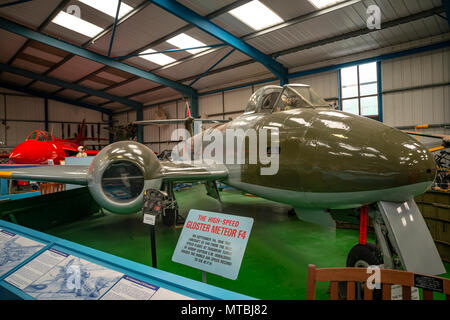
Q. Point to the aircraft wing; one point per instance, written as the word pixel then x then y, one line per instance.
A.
pixel 169 171
pixel 61 174
pixel 172 121
pixel 182 172
pixel 445 138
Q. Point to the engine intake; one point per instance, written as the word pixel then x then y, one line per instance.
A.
pixel 120 173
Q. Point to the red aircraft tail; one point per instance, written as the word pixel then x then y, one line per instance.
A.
pixel 80 136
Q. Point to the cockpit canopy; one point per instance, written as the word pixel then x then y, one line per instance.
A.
pixel 39 135
pixel 291 96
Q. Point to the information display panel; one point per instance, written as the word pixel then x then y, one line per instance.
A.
pixel 15 249
pixel 213 242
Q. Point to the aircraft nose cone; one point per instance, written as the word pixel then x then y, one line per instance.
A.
pixel 18 155
pixel 341 152
pixel 415 162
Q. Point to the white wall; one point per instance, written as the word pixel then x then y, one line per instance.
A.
pixel 420 106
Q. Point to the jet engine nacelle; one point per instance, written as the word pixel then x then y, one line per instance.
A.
pixel 120 173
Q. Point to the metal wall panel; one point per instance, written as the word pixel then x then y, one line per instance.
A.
pixel 167 130
pixel 423 105
pixel 18 131
pixel 59 111
pixel 120 119
pixel 237 99
pixel 151 133
pixel 24 108
pixel 210 104
pixel 325 84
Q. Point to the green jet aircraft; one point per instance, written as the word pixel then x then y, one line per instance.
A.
pixel 322 160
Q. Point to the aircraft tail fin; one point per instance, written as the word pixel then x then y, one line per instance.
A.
pixel 80 136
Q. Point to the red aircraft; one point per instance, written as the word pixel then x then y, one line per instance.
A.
pixel 41 147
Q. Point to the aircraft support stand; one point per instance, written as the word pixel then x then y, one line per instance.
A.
pixel 394 239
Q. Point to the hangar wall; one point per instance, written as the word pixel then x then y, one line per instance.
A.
pixel 21 114
pixel 416 90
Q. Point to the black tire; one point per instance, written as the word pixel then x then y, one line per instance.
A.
pixel 362 256
pixel 169 217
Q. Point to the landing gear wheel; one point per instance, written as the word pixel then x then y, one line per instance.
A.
pixel 169 217
pixel 362 256
pixel 291 213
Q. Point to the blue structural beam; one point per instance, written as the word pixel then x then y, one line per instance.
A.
pixel 3 187
pixel 23 31
pixel 12 3
pixel 383 57
pixel 212 67
pixel 204 24
pixel 111 41
pixel 46 113
pixel 380 92
pixel 446 4
pixel 169 51
pixel 69 85
pixel 46 95
pixel 140 129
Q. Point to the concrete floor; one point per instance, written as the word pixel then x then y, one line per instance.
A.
pixel 276 259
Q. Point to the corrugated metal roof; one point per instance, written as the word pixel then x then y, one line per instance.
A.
pixel 31 13
pixel 75 69
pixel 133 87
pixel 10 43
pixel 143 28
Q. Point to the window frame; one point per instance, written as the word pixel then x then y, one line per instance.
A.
pixel 359 97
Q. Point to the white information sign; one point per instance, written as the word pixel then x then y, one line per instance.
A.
pixel 149 219
pixel 213 242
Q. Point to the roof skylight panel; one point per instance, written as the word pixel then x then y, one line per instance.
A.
pixel 108 6
pixel 319 4
pixel 256 15
pixel 158 58
pixel 184 41
pixel 76 24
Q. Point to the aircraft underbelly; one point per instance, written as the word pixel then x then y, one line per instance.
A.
pixel 330 200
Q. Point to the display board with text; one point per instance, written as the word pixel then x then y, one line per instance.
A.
pixel 213 242
pixel 37 266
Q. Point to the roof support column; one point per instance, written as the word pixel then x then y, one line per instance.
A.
pixel 46 113
pixel 193 101
pixel 446 4
pixel 140 129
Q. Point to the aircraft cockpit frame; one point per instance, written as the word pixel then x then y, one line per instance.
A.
pixel 40 135
pixel 272 98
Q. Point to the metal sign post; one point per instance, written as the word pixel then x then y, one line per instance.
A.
pixel 204 276
pixel 150 220
pixel 153 206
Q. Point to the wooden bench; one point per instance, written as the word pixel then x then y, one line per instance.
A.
pixel 388 278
